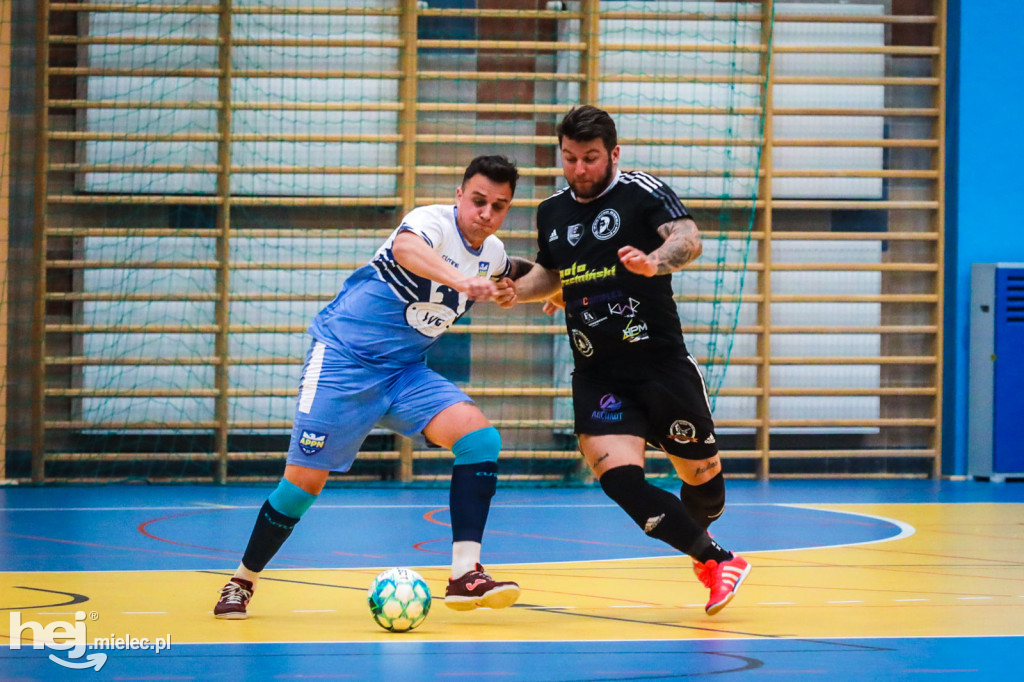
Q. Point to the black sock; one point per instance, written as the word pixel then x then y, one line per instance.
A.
pixel 705 502
pixel 472 487
pixel 271 530
pixel 658 512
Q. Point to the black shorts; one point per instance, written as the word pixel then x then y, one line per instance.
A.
pixel 669 408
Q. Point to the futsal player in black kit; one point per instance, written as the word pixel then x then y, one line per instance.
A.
pixel 609 243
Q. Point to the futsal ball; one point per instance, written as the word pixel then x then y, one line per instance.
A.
pixel 399 599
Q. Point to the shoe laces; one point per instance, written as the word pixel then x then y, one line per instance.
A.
pixel 233 593
pixel 707 572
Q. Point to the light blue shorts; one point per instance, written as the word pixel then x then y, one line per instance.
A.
pixel 341 401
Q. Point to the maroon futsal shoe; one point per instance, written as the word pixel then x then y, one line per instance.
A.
pixel 477 589
pixel 234 597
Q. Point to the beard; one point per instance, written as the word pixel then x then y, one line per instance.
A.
pixel 596 187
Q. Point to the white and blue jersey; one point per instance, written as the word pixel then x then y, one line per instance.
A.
pixel 366 366
pixel 388 316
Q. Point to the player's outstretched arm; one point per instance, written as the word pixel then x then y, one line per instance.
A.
pixel 537 284
pixel 682 245
pixel 414 254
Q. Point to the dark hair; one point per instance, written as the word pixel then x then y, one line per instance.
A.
pixel 587 123
pixel 495 168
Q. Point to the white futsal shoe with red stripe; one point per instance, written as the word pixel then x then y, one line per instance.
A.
pixel 724 579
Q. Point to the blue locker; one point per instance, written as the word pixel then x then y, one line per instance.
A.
pixel 996 402
pixel 1008 429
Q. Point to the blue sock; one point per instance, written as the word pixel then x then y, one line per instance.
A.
pixel 474 481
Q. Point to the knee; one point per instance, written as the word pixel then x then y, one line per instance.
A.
pixel 705 502
pixel 482 445
pixel 623 483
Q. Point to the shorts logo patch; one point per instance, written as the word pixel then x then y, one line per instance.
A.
pixel 582 343
pixel 611 409
pixel 682 432
pixel 312 443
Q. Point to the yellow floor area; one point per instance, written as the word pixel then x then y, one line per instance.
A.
pixel 961 572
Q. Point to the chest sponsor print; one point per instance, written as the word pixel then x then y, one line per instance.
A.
pixel 590 319
pixel 430 319
pixel 606 224
pixel 582 343
pixel 624 309
pixel 635 330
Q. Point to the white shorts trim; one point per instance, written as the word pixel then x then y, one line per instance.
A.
pixel 311 377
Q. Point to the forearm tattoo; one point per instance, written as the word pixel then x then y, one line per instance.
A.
pixel 682 245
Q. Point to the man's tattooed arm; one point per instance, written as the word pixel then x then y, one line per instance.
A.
pixel 682 245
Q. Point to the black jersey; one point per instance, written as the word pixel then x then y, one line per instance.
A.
pixel 612 314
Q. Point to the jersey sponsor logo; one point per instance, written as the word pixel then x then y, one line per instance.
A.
pixel 448 259
pixel 582 343
pixel 430 319
pixel 590 319
pixel 312 442
pixel 610 409
pixel 606 224
pixel 577 273
pixel 595 299
pixel 574 233
pixel 624 309
pixel 682 431
pixel 635 330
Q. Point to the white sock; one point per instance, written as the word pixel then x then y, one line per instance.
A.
pixel 465 557
pixel 245 574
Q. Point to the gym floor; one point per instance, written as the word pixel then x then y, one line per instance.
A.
pixel 916 580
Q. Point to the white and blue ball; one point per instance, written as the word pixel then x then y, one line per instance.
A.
pixel 399 599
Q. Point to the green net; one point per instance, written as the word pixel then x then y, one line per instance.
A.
pixel 217 169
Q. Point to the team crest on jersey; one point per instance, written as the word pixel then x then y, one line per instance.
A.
pixel 573 233
pixel 430 319
pixel 606 224
pixel 582 343
pixel 482 268
pixel 312 443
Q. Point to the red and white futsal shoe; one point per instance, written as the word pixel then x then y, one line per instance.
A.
pixel 725 579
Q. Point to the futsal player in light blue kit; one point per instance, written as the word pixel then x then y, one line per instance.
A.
pixel 366 367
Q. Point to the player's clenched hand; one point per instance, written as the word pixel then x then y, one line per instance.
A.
pixel 637 262
pixel 478 288
pixel 554 304
pixel 506 296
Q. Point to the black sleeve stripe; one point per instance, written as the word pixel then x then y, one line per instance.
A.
pixel 405 228
pixel 394 274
